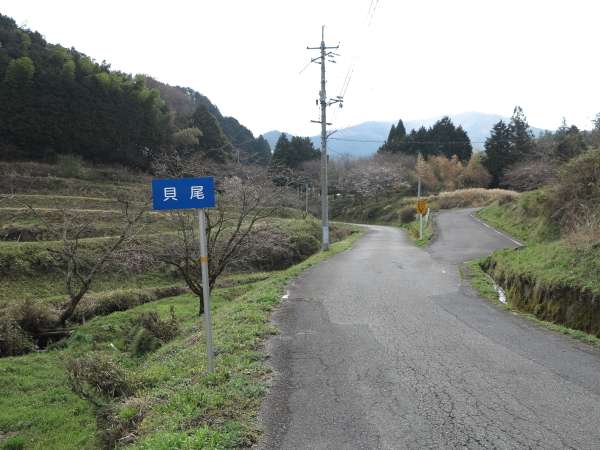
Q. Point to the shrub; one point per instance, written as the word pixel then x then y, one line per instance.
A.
pixel 114 423
pixel 577 192
pixel 69 166
pixel 149 332
pixel 98 379
pixel 33 317
pixel 529 175
pixel 13 340
pixel 407 214
pixel 165 330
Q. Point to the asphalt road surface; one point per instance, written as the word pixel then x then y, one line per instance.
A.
pixel 384 347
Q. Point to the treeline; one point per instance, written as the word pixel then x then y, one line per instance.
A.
pixel 443 138
pixel 518 160
pixel 513 158
pixel 57 101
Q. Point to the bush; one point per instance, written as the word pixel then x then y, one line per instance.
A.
pixel 33 317
pixel 529 175
pixel 98 379
pixel 69 166
pixel 407 214
pixel 115 423
pixel 13 340
pixel 149 332
pixel 577 192
pixel 165 330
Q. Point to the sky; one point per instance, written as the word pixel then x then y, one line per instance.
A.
pixel 410 59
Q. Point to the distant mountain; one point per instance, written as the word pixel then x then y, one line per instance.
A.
pixel 364 139
pixel 272 136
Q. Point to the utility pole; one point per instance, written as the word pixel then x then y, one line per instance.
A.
pixel 324 104
pixel 420 214
pixel 306 199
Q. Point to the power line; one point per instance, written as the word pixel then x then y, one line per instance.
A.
pixel 381 141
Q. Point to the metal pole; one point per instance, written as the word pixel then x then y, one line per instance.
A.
pixel 306 199
pixel 205 288
pixel 323 101
pixel 420 215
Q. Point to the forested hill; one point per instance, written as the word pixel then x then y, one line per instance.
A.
pixel 56 101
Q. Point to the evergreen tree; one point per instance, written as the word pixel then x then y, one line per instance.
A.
pixel 499 154
pixel 260 152
pixel 292 153
pixel 521 137
pixel 281 154
pixel 570 142
pixel 396 140
pixel 443 138
pixel 212 143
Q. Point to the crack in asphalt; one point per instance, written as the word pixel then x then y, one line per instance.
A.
pixel 383 347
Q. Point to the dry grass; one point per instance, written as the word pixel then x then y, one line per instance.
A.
pixel 473 197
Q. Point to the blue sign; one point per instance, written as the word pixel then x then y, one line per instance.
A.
pixel 183 193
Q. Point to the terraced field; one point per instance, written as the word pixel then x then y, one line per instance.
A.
pixel 39 408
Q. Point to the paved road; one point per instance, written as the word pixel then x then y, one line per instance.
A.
pixel 383 347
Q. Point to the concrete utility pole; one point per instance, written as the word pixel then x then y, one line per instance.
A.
pixel 420 214
pixel 324 104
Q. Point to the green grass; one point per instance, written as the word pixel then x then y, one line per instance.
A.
pixel 480 280
pixel 525 218
pixel 550 277
pixel 412 229
pixel 551 264
pixel 482 283
pixel 184 407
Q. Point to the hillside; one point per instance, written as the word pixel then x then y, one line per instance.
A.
pixel 556 275
pixel 477 125
pixel 56 101
pixel 158 377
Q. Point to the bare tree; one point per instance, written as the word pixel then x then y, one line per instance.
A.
pixel 245 197
pixel 371 178
pixel 71 258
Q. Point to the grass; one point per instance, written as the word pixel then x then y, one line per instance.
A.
pixel 550 278
pixel 183 407
pixel 523 218
pixel 483 284
pixel 412 230
pixel 551 264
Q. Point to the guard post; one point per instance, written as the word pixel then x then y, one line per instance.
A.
pixel 192 193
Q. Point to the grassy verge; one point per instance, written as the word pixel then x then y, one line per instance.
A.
pixel 412 229
pixel 523 218
pixel 482 283
pixel 181 407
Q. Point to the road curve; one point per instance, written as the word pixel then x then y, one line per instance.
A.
pixel 384 347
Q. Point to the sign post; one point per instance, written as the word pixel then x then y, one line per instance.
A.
pixel 192 193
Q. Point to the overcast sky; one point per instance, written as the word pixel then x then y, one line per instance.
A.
pixel 412 59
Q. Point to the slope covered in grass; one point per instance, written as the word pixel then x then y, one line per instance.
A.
pixel 173 402
pixel 552 277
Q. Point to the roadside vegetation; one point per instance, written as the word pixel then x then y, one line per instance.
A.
pixel 137 378
pixel 127 367
pixel 556 276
